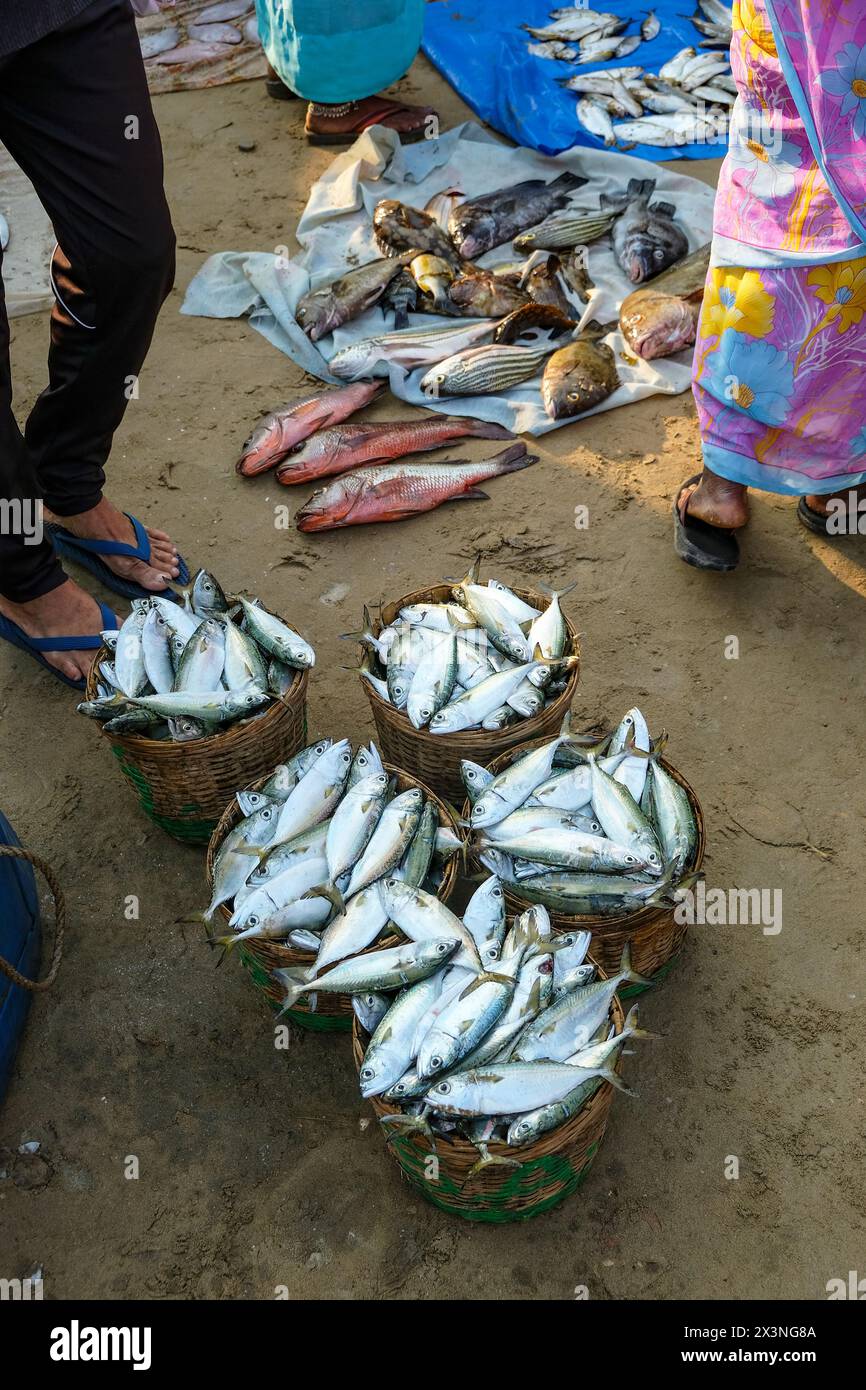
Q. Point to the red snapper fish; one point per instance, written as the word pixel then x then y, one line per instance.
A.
pixel 338 450
pixel 392 492
pixel 278 433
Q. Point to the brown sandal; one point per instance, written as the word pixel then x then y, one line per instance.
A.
pixel 383 110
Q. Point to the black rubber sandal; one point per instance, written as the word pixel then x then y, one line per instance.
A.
pixel 277 89
pixel 815 521
pixel 699 544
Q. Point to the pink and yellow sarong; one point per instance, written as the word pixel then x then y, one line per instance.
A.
pixel 780 360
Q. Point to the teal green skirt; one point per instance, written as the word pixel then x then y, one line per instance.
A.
pixel 332 51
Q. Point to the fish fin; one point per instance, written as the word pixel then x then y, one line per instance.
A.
pixel 488 1160
pixel 632 749
pixel 641 188
pixel 658 744
pixel 472 494
pixel 331 892
pixel 625 968
pixel 484 978
pixel 486 429
pixel 557 593
pixel 665 209
pixel 255 851
pixel 570 180
pixel 634 1030
pixel 292 986
pixel 608 1074
pixel 227 942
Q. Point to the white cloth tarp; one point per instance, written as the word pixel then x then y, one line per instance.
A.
pixel 335 232
pixel 26 278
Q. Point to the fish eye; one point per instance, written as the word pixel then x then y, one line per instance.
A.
pixel 630 859
pixel 398 1089
pixel 347 758
pixel 443 1088
pixel 253 921
pixel 493 953
pixel 442 948
pixel 658 254
pixel 367 1073
pixel 436 1063
pixel 497 893
pixel 266 813
pixel 319 748
pixel 653 858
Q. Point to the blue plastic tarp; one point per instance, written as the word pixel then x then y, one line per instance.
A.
pixel 480 47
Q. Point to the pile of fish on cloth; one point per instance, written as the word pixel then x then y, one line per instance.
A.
pixel 481 661
pixel 586 831
pixel 505 1037
pixel 623 228
pixel 186 670
pixel 305 862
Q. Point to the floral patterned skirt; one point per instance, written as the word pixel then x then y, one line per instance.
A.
pixel 780 376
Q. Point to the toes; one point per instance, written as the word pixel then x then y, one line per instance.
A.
pixel 69 668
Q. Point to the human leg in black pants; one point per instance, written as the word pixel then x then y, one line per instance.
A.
pixel 76 115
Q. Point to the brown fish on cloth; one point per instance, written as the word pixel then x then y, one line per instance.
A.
pixel 580 375
pixel 329 306
pixel 663 317
pixel 646 240
pixel 395 491
pixel 483 295
pixel 576 274
pixel 530 316
pixel 281 431
pixel 542 281
pixel 337 450
pixel 398 228
pixel 481 223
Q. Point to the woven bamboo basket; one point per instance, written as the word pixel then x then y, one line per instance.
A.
pixel 333 1012
pixel 553 1167
pixel 184 787
pixel 653 934
pixel 437 757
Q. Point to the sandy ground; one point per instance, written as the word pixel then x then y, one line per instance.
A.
pixel 255 1169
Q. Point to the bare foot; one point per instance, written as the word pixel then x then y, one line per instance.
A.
pixel 66 611
pixel 818 501
pixel 717 502
pixel 105 523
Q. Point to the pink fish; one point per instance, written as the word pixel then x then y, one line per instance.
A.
pixel 282 430
pixel 338 450
pixel 399 490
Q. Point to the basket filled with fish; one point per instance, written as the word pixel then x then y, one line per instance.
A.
pixel 295 867
pixel 604 832
pixel 492 1070
pixel 467 671
pixel 197 698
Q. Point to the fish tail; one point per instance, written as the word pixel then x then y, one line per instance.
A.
pixel 633 1029
pixel 608 1074
pixel 488 1160
pixel 641 188
pixel 255 851
pixel 625 970
pixel 513 459
pixel 227 943
pixel 485 429
pixel 292 985
pixel 331 892
pixel 570 180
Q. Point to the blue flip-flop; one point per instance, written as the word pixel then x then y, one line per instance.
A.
pixel 35 646
pixel 87 552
